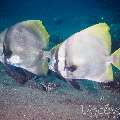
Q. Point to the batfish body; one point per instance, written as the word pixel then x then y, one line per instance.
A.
pixel 21 48
pixel 86 55
pixel 24 44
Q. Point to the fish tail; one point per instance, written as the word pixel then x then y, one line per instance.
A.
pixel 116 58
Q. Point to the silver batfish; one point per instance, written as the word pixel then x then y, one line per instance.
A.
pixel 22 49
pixel 86 55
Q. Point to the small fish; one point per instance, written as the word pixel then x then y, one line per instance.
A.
pixel 86 55
pixel 22 50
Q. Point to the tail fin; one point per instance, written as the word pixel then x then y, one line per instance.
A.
pixel 116 58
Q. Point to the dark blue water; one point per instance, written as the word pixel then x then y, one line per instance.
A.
pixel 74 14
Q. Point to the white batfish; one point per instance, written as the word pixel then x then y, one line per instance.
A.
pixel 86 55
pixel 22 46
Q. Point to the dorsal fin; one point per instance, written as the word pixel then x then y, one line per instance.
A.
pixel 38 25
pixel 101 32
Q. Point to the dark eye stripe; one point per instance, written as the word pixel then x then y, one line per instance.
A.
pixel 6 45
pixel 7 52
pixel 56 58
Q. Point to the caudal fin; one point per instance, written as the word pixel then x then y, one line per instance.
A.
pixel 116 58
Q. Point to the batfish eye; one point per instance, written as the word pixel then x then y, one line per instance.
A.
pixel 72 68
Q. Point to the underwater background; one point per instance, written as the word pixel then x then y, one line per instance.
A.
pixel 61 18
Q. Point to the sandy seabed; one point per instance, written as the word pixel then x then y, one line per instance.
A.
pixel 27 102
pixel 23 103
